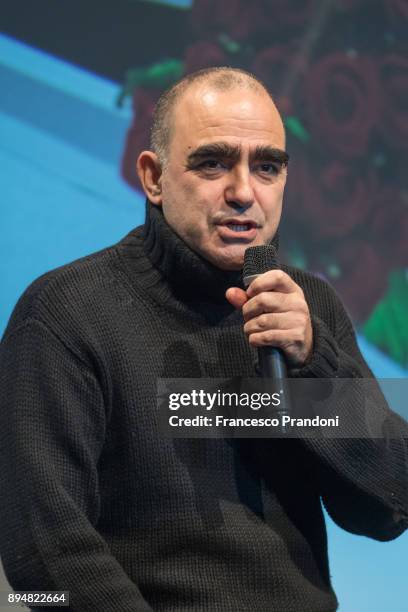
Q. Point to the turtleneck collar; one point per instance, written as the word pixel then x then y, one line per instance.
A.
pixel 189 274
pixel 177 271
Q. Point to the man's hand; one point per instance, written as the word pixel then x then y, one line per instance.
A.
pixel 276 314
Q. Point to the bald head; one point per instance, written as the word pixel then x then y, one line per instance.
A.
pixel 218 166
pixel 218 79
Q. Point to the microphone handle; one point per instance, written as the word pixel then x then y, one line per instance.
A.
pixel 272 365
pixel 272 362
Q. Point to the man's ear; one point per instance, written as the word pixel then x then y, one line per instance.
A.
pixel 149 171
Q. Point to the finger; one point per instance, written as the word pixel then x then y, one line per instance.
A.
pixel 279 338
pixel 272 301
pixel 291 342
pixel 273 321
pixel 236 296
pixel 273 280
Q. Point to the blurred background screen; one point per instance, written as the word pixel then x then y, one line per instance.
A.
pixel 78 83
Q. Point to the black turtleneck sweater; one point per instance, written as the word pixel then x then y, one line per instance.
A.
pixel 97 502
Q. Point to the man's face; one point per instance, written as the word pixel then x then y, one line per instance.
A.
pixel 223 185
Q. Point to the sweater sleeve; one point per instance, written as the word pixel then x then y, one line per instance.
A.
pixel 363 481
pixel 52 428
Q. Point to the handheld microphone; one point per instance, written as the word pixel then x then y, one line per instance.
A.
pixel 272 363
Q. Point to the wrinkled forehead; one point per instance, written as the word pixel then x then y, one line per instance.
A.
pixel 243 115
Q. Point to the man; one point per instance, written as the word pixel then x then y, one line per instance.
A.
pixel 98 501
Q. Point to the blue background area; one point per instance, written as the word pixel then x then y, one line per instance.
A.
pixel 61 139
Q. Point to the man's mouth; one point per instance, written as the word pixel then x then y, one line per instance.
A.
pixel 242 227
pixel 230 229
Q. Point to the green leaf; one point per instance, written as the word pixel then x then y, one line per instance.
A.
pixel 158 76
pixel 387 327
pixel 295 127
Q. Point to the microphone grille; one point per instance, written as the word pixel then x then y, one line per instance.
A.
pixel 260 259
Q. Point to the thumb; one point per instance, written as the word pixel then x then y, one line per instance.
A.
pixel 236 296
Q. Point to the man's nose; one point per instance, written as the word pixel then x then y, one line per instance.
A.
pixel 239 191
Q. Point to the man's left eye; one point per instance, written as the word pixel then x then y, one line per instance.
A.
pixel 269 168
pixel 211 164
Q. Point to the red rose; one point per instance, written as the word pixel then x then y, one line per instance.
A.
pixel 272 66
pixel 363 276
pixel 138 135
pixel 342 99
pixel 394 113
pixel 203 54
pixel 331 201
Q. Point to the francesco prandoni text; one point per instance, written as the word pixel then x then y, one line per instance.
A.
pixel 254 401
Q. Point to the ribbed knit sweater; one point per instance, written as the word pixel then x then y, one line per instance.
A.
pixel 97 502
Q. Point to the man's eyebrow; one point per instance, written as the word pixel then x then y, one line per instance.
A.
pixel 218 150
pixel 223 150
pixel 267 153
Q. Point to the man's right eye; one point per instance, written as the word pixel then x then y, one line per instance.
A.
pixel 211 164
